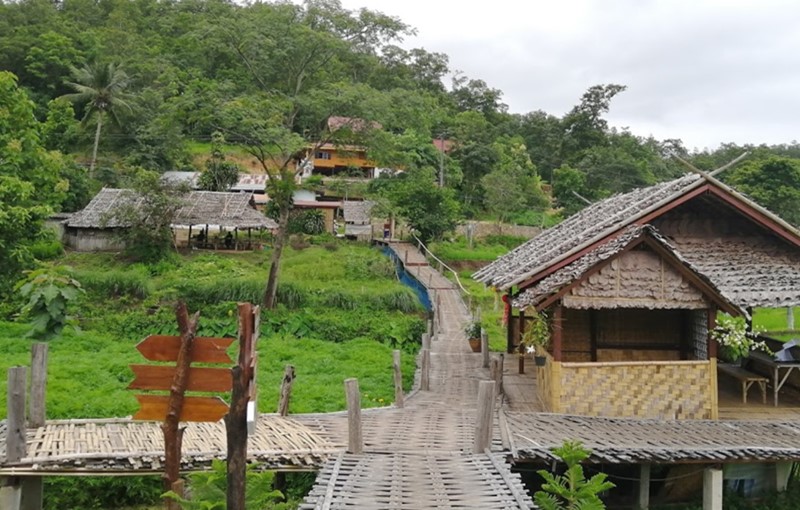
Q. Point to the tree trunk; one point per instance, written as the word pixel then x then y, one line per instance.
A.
pixel 275 263
pixel 96 143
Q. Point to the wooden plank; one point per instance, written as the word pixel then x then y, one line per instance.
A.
pixel 154 408
pixel 159 377
pixel 204 349
pixel 15 407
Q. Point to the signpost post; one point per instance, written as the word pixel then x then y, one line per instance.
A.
pixel 177 379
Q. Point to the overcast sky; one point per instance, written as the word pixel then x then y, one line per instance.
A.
pixel 704 71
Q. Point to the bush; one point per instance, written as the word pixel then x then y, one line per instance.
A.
pixel 96 492
pixel 47 249
pixel 117 283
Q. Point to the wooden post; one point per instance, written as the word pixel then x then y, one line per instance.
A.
pixel 11 490
pixel 485 348
pixel 498 379
pixel 712 489
pixel 426 341
pixel 790 317
pixel 38 384
pixel 424 380
pixel 644 487
pixel 398 379
pixel 286 390
pixel 33 486
pixel 557 320
pixel 355 439
pixel 783 470
pixel 477 312
pixel 520 348
pixel 712 323
pixel 430 327
pixel 236 419
pixel 173 435
pixel 484 417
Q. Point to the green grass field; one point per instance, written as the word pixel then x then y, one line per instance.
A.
pixel 347 314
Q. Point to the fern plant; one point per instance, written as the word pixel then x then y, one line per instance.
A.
pixel 571 491
pixel 208 490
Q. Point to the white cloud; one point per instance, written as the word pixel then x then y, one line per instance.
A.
pixel 705 71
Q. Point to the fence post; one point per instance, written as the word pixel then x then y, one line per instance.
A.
pixel 33 486
pixel 11 489
pixel 355 439
pixel 398 379
pixel 485 348
pixel 484 417
pixel 286 390
pixel 424 381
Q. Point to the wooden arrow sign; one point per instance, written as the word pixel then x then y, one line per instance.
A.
pixel 159 377
pixel 154 407
pixel 204 349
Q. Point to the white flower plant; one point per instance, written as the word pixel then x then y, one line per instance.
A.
pixel 731 334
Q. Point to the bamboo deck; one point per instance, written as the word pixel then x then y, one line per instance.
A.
pixel 420 456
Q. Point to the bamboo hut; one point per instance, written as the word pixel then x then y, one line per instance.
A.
pixel 631 286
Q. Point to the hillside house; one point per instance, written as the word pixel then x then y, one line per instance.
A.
pixel 94 228
pixel 631 287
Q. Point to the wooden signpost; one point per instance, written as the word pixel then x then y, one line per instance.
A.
pixel 177 379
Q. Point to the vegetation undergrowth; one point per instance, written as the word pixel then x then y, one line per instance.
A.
pixel 340 314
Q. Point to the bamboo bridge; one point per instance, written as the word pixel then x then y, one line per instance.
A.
pixel 420 455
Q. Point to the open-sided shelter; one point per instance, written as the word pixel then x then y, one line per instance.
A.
pixel 93 228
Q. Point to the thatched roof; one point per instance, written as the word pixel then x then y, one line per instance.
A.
pixel 626 441
pixel 231 210
pixel 768 275
pixel 357 211
pixel 560 280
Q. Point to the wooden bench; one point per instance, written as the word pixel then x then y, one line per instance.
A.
pixel 747 379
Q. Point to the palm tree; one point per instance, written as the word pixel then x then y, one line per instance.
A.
pixel 101 88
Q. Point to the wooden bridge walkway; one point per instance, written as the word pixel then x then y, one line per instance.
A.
pixel 418 456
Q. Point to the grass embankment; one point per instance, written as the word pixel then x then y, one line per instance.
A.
pixel 341 314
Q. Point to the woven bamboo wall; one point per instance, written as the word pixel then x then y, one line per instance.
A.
pixel 548 378
pixel 664 390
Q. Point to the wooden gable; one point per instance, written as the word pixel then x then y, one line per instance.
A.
pixel 636 279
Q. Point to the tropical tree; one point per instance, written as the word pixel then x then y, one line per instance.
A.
pixel 31 182
pixel 101 89
pixel 219 174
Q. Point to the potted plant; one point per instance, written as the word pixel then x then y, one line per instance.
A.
pixel 734 340
pixel 536 338
pixel 473 332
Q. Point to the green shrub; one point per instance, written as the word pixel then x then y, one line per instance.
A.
pixel 47 249
pixel 96 492
pixel 202 292
pixel 506 240
pixel 290 295
pixel 135 283
pixel 48 291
